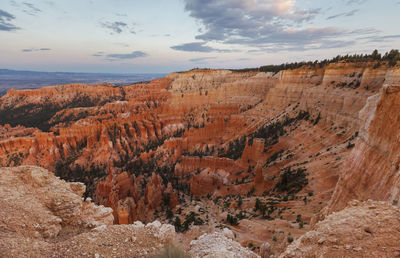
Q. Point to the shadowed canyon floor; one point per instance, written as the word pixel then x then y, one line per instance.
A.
pixel 267 155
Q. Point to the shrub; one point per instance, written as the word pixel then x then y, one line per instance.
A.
pixel 240 201
pixel 316 121
pixel 169 214
pixel 257 205
pixel 178 224
pixel 251 192
pixel 292 181
pixel 274 157
pixel 393 56
pixel 271 132
pixel 350 145
pixel 377 65
pixel 235 149
pixel 166 199
pixel 171 251
pixel 232 220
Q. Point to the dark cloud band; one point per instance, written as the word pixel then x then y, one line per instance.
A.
pixel 345 14
pixel 199 47
pixel 117 27
pixel 36 49
pixel 113 57
pixel 5 19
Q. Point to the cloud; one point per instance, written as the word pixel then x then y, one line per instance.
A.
pixel 243 59
pixel 355 1
pixel 379 39
pixel 117 27
pixel 199 47
pixel 13 3
pixel 324 44
pixel 133 55
pixel 245 18
pixel 114 57
pixel 269 24
pixel 36 49
pixel 160 35
pixel 201 59
pixel 305 39
pixel 5 19
pixel 30 9
pixel 98 54
pixel 345 14
pixel 121 44
pixel 50 3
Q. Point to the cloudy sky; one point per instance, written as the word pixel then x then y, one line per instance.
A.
pixel 136 36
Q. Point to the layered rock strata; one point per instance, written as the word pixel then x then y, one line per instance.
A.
pixel 141 149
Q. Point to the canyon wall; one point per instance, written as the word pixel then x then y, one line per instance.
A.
pixel 372 168
pixel 145 148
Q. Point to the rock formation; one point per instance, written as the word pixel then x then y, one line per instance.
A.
pixel 364 229
pixel 218 245
pixel 37 204
pixel 43 216
pixel 373 167
pixel 242 149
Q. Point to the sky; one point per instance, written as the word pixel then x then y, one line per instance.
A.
pixel 161 36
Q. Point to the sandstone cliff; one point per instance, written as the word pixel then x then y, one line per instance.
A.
pixel 303 141
pixel 372 169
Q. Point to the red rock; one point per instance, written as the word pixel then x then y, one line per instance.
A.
pixel 215 107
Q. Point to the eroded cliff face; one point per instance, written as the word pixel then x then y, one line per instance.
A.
pixel 373 166
pixel 292 139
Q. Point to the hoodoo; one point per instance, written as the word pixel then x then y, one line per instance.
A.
pixel 267 154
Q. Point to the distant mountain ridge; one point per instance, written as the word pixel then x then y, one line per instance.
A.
pixel 11 71
pixel 18 79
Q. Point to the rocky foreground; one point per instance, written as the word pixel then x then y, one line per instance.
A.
pixel 43 216
pixel 363 229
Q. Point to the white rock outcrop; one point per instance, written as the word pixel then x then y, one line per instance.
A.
pixel 36 203
pixel 363 229
pixel 217 245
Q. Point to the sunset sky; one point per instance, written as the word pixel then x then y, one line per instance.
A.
pixel 136 36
